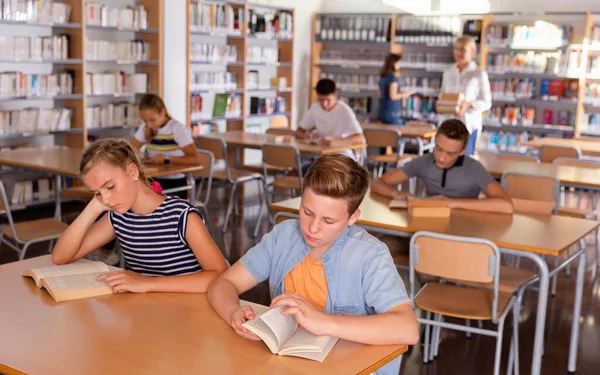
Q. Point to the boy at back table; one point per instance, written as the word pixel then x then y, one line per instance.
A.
pixel 334 277
pixel 449 173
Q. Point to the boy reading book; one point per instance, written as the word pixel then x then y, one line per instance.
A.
pixel 335 278
pixel 449 173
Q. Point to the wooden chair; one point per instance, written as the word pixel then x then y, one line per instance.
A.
pixel 232 177
pixel 547 153
pixel 459 258
pixel 19 236
pixel 281 131
pixel 286 157
pixel 205 175
pixel 280 122
pixel 384 138
pixel 518 157
pixel 422 145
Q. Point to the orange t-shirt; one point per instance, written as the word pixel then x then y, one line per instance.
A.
pixel 308 280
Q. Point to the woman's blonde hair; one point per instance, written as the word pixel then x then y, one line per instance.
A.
pixel 115 152
pixel 154 103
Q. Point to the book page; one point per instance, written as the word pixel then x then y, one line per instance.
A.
pixel 283 326
pixel 71 282
pixel 260 329
pixel 80 267
pixel 258 309
pixel 315 356
pixel 398 203
pixel 304 340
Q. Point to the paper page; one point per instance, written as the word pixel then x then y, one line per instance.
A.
pixel 82 266
pixel 315 356
pixel 258 309
pixel 398 203
pixel 260 329
pixel 283 326
pixel 304 340
pixel 86 281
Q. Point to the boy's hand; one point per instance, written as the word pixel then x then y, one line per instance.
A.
pixel 326 140
pixel 239 316
pixel 126 281
pixel 311 319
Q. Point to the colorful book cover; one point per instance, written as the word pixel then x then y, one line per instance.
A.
pixel 548 116
pixel 557 88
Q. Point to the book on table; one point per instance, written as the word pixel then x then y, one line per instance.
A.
pixel 283 336
pixel 434 206
pixel 72 281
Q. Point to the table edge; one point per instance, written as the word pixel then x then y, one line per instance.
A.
pixel 384 361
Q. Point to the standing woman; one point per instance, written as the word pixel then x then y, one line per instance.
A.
pixel 389 91
pixel 468 78
pixel 167 141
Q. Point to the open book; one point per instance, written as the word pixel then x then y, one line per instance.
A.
pixel 283 336
pixel 72 281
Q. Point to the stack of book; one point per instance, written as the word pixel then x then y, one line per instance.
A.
pixel 213 53
pixel 512 88
pixel 352 28
pixel 35 48
pixel 116 83
pixel 270 24
pixel 262 55
pixel 434 30
pixel 131 51
pixel 107 115
pixel 213 81
pixel 17 84
pixel 32 120
pixel 130 18
pixel 523 62
pixel 42 11
pixel 267 106
pixel 353 82
pixel 510 115
pixel 541 35
pixel 352 58
pixel 426 60
pixel 449 103
pixel 218 19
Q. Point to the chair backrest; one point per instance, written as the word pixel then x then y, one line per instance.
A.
pixel 283 216
pixel 382 137
pixel 280 122
pixel 458 258
pixel 576 163
pixel 207 160
pixel 216 146
pixel 282 156
pixel 421 124
pixel 517 157
pixel 281 131
pixel 532 193
pixel 549 153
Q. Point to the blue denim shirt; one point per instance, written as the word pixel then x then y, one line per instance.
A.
pixel 361 276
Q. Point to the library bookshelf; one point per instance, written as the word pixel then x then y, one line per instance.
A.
pixel 232 54
pixel 81 31
pixel 432 44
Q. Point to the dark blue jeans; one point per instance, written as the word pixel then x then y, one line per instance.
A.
pixel 471 142
pixel 390 118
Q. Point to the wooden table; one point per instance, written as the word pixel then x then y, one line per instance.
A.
pixel 240 139
pixel 408 131
pixel 587 146
pixel 585 178
pixel 64 161
pixel 155 333
pixel 525 235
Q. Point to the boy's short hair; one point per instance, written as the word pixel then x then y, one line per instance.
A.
pixel 326 86
pixel 454 129
pixel 338 176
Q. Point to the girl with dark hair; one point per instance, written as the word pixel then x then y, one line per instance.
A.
pixel 389 91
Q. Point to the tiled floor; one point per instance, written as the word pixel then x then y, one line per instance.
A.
pixel 457 355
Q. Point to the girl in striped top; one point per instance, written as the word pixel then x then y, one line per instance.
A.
pixel 167 141
pixel 164 241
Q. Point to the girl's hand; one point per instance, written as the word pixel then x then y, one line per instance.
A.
pixel 97 206
pixel 126 281
pixel 156 159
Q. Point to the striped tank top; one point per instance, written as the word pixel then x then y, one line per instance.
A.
pixel 155 244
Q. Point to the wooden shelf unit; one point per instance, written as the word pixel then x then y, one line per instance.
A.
pixel 78 31
pixel 579 38
pixel 283 69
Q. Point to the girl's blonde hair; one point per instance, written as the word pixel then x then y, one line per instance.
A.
pixel 154 103
pixel 115 152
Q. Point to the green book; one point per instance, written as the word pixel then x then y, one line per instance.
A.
pixel 221 103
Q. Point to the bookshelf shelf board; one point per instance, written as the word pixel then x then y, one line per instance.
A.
pixel 39 134
pixel 258 115
pixel 56 97
pixel 269 37
pixel 112 28
pixel 423 69
pixel 116 96
pixel 358 92
pixel 110 128
pixel 591 133
pixel 278 64
pixel 58 61
pixel 371 43
pixel 350 66
pixel 288 89
pixel 265 6
pixel 217 34
pixel 535 128
pixel 123 62
pixel 66 25
pixel 559 102
pixel 69 131
pixel 492 73
pixel 525 47
pixel 425 44
pixel 217 91
pixel 223 118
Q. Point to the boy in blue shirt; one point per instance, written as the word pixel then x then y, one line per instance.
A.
pixel 334 277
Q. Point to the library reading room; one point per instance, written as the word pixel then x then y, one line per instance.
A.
pixel 299 187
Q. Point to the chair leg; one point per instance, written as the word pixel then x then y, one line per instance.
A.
pixel 438 337
pixel 568 271
pixel 498 347
pixel 24 250
pixel 597 263
pixel 236 206
pixel 50 246
pixel 554 279
pixel 516 314
pixel 426 343
pixel 229 207
pixel 260 207
pixel 468 324
pixel 434 336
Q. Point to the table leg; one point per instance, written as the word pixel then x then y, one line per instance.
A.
pixel 577 311
pixel 57 190
pixel 192 182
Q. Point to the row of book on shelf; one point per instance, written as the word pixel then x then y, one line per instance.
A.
pixel 112 114
pixel 34 120
pixel 353 58
pixel 504 141
pixel 115 83
pixel 427 60
pixel 225 19
pixel 131 17
pixel 352 28
pixel 18 84
pixel 351 81
pixel 223 53
pixel 213 81
pixel 541 34
pixel 131 51
pixel 29 191
pixel 525 88
pixel 229 105
pixel 34 48
pixel 438 30
pixel 42 11
pixel 522 115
